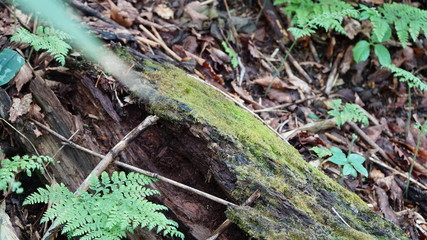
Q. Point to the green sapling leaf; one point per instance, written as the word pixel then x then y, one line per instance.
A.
pixel 361 51
pixel 321 152
pixel 349 170
pixel 338 157
pixel 383 54
pixel 361 169
pixel 356 159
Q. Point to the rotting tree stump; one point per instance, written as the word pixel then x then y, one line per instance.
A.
pixel 205 141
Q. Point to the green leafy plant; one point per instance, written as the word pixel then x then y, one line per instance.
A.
pixel 231 53
pixel 10 168
pixel 111 207
pixel 352 163
pixel 407 20
pixel 45 38
pixel 346 112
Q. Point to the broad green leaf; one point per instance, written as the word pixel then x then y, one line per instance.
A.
pixel 360 168
pixel 383 54
pixel 338 157
pixel 10 64
pixel 321 152
pixel 361 51
pixel 356 159
pixel 349 170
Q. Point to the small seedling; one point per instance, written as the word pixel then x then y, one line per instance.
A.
pixel 346 112
pixel 352 163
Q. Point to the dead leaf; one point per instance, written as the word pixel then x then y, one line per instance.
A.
pixel 124 13
pixel 20 106
pixel 376 174
pixel 347 60
pixel 218 55
pixel 194 9
pixel 24 75
pixel 299 83
pixel 37 132
pixel 190 44
pixel 35 112
pixel 280 96
pixel 253 50
pixel 164 11
pixel 352 27
pixel 275 82
pixel 246 96
pixel 374 132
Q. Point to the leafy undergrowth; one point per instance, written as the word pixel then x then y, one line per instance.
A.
pixel 248 62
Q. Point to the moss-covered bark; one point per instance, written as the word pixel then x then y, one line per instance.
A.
pixel 297 200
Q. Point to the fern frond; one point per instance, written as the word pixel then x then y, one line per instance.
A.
pixel 308 15
pixel 112 206
pixel 346 112
pixel 28 164
pixel 408 77
pixel 407 20
pixel 47 39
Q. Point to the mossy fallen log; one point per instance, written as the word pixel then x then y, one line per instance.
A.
pixel 242 155
pixel 208 142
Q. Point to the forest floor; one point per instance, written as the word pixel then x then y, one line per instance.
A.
pixel 239 48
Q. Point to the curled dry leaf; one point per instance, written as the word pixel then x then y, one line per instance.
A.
pixel 20 106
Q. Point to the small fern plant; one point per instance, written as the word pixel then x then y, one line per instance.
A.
pixel 111 207
pixel 346 112
pixel 307 16
pixel 10 168
pixel 45 38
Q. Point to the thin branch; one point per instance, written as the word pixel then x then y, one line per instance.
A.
pixel 180 185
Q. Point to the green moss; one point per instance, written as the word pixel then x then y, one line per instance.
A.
pixel 268 161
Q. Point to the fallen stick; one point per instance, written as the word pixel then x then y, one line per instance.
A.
pixel 177 184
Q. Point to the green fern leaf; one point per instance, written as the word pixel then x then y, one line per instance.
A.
pixel 113 206
pixel 408 77
pixel 28 164
pixel 45 39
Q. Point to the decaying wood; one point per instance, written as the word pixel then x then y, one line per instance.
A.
pixel 204 141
